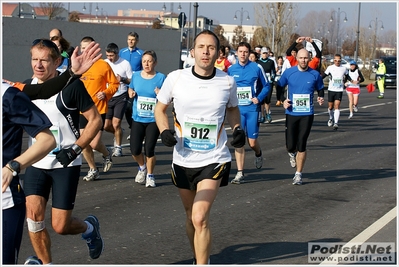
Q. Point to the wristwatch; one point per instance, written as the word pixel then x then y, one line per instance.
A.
pixel 14 167
pixel 73 75
pixel 77 149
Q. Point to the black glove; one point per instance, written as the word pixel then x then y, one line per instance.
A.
pixel 238 138
pixel 168 138
pixel 65 156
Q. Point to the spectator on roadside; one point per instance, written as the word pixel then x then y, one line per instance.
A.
pixel 380 77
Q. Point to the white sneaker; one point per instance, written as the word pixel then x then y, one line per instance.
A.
pixel 297 180
pixel 292 159
pixel 117 152
pixel 335 127
pixel 355 108
pixel 330 123
pixel 239 179
pixel 350 115
pixel 107 161
pixel 150 181
pixel 140 177
pixel 92 175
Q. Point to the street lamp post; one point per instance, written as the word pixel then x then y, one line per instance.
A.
pixel 338 20
pixel 242 12
pixel 357 35
pixel 375 33
pixel 273 36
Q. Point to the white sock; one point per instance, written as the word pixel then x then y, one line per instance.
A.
pixel 298 173
pixel 337 112
pixel 142 168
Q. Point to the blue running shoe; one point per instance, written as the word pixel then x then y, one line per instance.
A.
pixel 94 240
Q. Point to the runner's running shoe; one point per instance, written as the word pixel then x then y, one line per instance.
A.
pixel 330 123
pixel 297 180
pixel 239 179
pixel 94 240
pixel 92 175
pixel 140 177
pixel 107 161
pixel 292 159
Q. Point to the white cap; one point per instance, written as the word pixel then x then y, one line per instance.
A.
pixel 264 50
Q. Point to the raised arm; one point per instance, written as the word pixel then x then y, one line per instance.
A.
pixel 80 64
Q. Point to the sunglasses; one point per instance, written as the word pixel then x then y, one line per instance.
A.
pixel 46 43
pixel 337 60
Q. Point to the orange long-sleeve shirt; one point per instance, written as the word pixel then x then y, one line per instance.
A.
pixel 100 78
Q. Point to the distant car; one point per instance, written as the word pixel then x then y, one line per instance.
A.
pixel 390 76
pixel 343 63
pixel 183 55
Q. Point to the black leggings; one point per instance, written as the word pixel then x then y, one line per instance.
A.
pixel 13 226
pixel 297 130
pixel 140 132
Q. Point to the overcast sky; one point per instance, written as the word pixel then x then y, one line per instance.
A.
pixel 224 11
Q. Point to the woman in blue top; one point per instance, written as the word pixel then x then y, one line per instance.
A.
pixel 143 88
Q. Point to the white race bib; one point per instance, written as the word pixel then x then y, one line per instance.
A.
pixel 199 134
pixel 244 95
pixel 301 103
pixel 146 106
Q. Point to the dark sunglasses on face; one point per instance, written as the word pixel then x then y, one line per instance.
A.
pixel 337 60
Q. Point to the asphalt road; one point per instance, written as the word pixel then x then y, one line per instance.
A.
pixel 350 182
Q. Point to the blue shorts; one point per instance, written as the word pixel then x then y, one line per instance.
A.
pixel 250 123
pixel 62 182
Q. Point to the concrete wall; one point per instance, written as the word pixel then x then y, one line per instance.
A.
pixel 18 35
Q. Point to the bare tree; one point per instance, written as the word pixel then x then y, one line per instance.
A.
pixel 278 21
pixel 259 37
pixel 156 24
pixel 74 16
pixel 51 10
pixel 239 36
pixel 219 31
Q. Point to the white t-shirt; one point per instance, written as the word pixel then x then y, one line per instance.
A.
pixel 200 109
pixel 122 68
pixel 286 65
pixel 336 75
